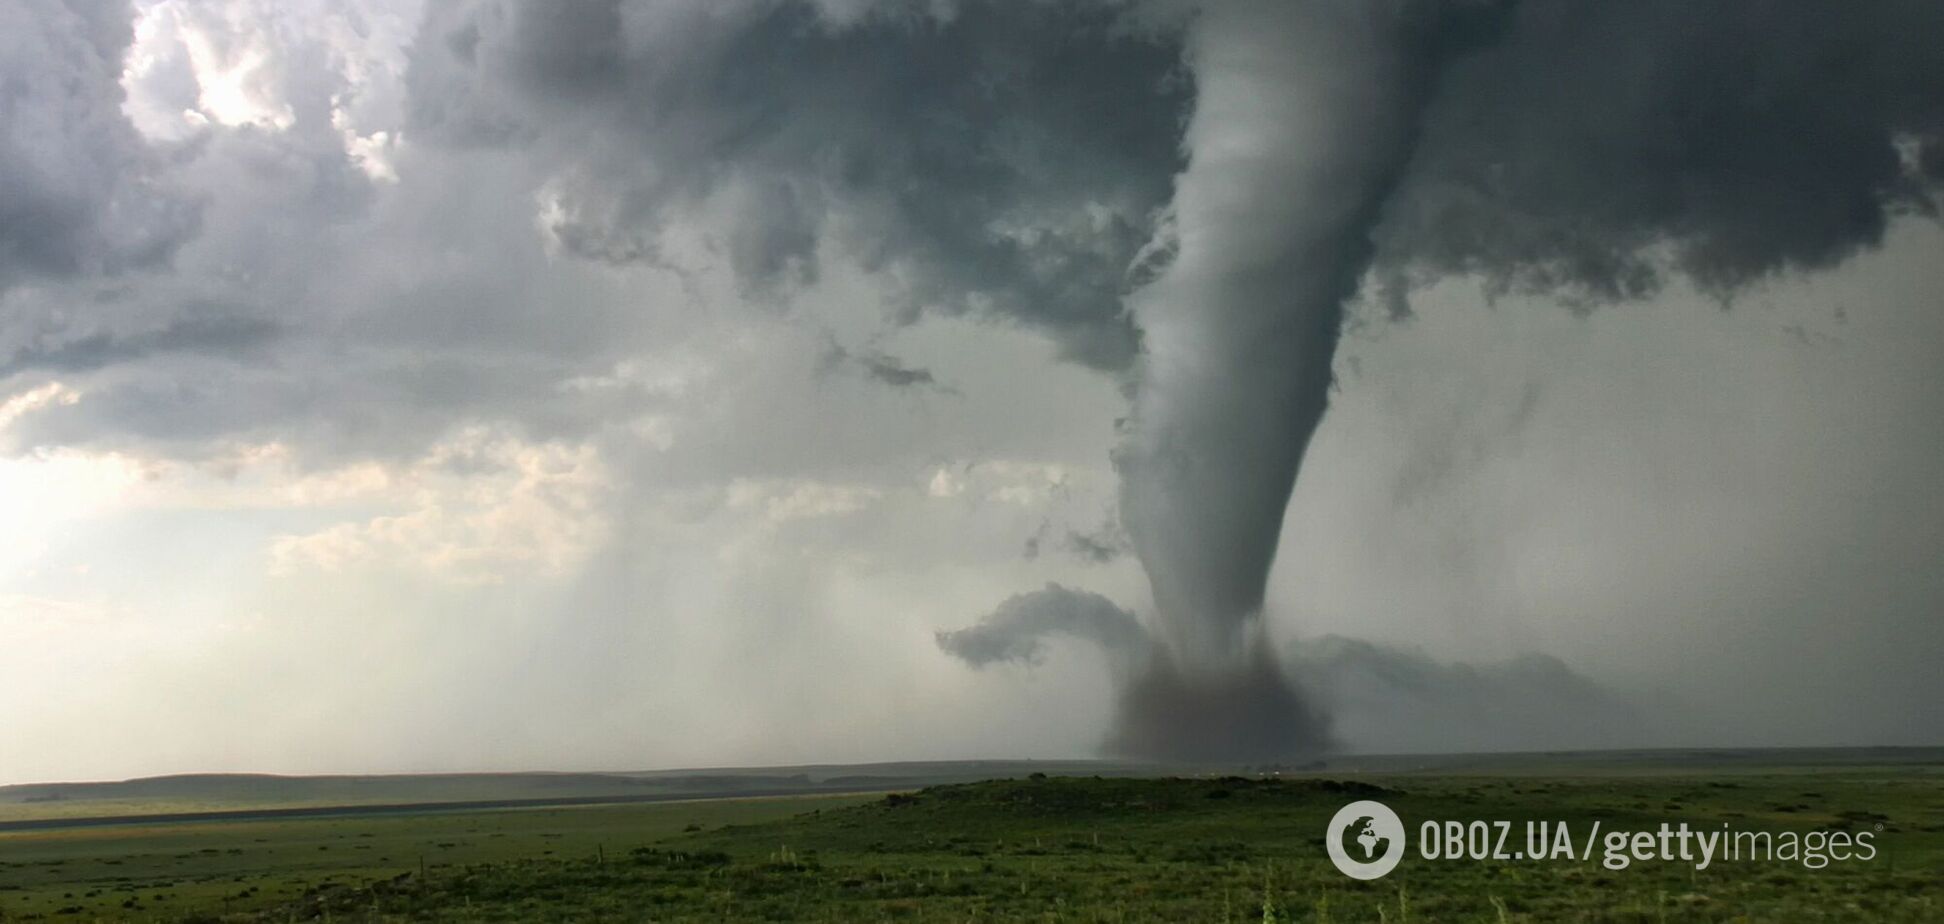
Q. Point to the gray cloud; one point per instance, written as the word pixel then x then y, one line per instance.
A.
pixel 880 367
pixel 888 370
pixel 1390 700
pixel 1099 547
pixel 221 335
pixel 1013 160
pixel 80 192
pixel 1016 630
pixel 1006 158
pixel 1594 149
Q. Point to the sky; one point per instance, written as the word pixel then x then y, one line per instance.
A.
pixel 612 384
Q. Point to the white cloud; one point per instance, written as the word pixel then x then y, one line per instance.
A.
pixel 34 399
pixel 783 500
pixel 481 508
pixel 944 483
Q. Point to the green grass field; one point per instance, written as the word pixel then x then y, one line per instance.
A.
pixel 1056 849
pixel 175 871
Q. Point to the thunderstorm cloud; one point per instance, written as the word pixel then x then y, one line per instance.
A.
pixel 647 382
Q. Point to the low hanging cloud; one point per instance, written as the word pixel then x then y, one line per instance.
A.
pixel 882 368
pixel 1336 691
pixel 1098 547
pixel 1101 545
pixel 1387 699
pixel 1017 630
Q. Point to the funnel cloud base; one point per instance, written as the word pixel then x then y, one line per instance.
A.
pixel 1250 714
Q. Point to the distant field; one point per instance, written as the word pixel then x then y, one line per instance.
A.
pixel 173 795
pixel 169 872
pixel 1051 849
pixel 233 792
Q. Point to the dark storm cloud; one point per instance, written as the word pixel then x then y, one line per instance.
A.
pixel 1098 547
pixel 1007 158
pixel 890 371
pixel 1595 148
pixel 1016 159
pixel 1017 629
pixel 1104 544
pixel 79 192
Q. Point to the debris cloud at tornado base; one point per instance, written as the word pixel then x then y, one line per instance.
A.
pixel 1245 712
pixel 1385 698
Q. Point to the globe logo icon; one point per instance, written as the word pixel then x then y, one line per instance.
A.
pixel 1365 840
pixel 1368 838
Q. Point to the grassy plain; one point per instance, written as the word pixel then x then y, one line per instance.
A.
pixel 1054 849
pixel 169 872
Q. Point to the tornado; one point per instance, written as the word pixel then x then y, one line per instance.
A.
pixel 1303 119
pixel 1302 122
